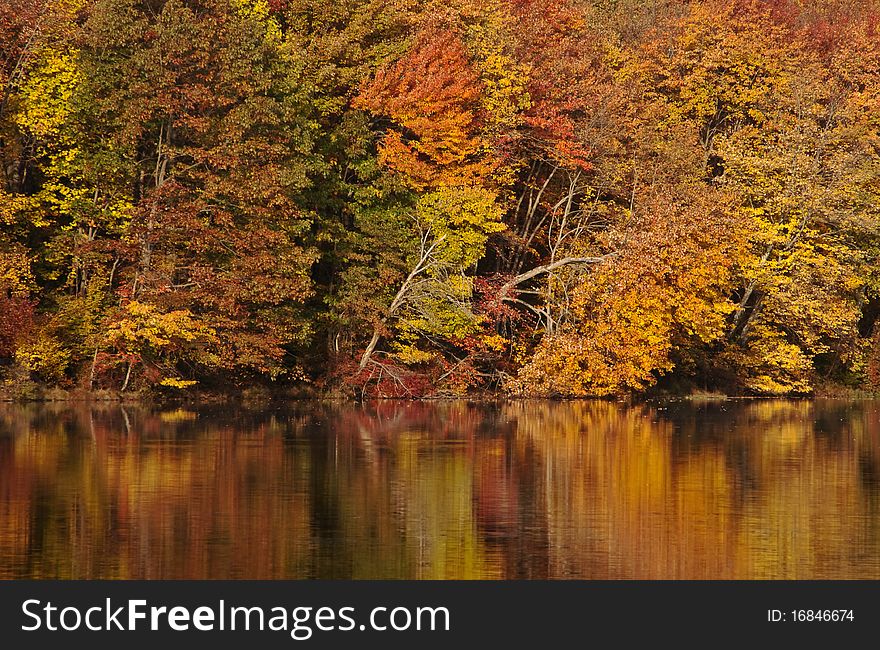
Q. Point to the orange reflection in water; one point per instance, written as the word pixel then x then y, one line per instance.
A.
pixel 734 489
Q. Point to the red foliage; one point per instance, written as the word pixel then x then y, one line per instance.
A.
pixel 19 21
pixel 383 378
pixel 554 42
pixel 489 299
pixel 277 6
pixel 826 27
pixel 873 369
pixel 16 322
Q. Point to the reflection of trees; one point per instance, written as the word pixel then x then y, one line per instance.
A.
pixel 442 490
pixel 392 495
pixel 84 497
pixel 737 490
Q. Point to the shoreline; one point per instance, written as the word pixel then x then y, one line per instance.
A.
pixel 258 396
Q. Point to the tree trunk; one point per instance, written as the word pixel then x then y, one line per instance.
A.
pixel 92 373
pixel 365 359
pixel 737 323
pixel 127 377
pixel 508 286
pixel 399 299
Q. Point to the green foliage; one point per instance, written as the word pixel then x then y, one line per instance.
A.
pixel 461 220
pixel 551 197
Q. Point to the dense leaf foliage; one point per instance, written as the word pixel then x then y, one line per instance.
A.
pixel 393 198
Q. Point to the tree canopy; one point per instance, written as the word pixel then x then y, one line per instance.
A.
pixel 391 198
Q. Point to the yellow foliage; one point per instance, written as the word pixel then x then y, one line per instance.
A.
pixel 159 338
pixel 46 94
pixel 667 287
pixel 11 207
pixel 461 219
pixel 260 11
pixel 16 276
pixel 719 67
pixel 496 342
pixel 411 355
pixel 144 325
pixel 771 365
pixel 174 382
pixel 807 180
pixel 45 356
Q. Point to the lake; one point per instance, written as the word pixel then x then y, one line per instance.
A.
pixel 531 489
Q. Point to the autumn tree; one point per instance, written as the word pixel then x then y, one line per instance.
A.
pixel 216 123
pixel 665 290
pixel 553 197
pixel 436 160
pixel 787 132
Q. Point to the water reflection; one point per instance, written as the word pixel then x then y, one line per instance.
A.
pixel 737 489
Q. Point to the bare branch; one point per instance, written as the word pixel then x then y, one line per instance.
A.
pixel 508 286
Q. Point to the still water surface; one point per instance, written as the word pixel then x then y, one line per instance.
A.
pixel 734 489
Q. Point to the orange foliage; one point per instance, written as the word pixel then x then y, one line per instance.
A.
pixel 667 287
pixel 432 96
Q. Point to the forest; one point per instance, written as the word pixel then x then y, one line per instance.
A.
pixel 425 198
